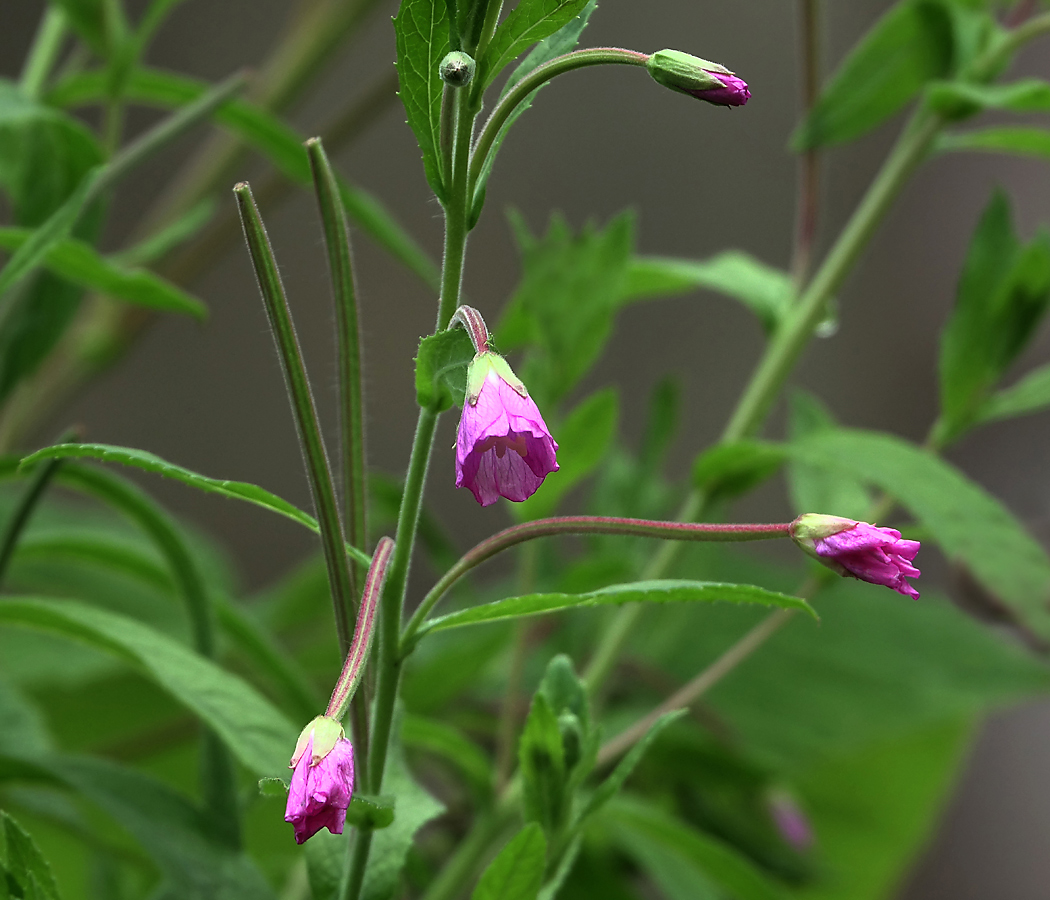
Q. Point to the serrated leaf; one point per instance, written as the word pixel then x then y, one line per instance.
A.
pixel 583 440
pixel 909 46
pixel 421 30
pixel 763 289
pixel 517 871
pixel 441 369
pixel 79 262
pixel 528 23
pixel 969 524
pixel 257 734
pixel 958 99
pixel 24 861
pixel 149 462
pixel 667 591
pixel 541 758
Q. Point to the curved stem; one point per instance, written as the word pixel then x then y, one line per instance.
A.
pixel 528 531
pixel 578 59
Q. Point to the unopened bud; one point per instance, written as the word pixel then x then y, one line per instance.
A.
pixel 457 69
pixel 698 78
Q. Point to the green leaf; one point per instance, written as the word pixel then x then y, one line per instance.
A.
pixel 421 30
pixel 259 735
pixel 728 470
pixel 667 591
pixel 814 489
pixel 1030 394
pixel 583 440
pixel 875 811
pixel 24 861
pixel 528 23
pixel 517 871
pixel 441 369
pixel 1004 292
pixel 909 46
pixel 683 861
pixel 88 19
pixel 541 758
pixel 958 99
pixel 563 309
pixel 149 462
pixel 371 812
pixel 1019 140
pixel 968 523
pixel 451 745
pixel 765 290
pixel 79 262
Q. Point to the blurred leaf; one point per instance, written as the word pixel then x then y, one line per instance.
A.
pixel 667 591
pixel 910 45
pixel 22 728
pixel 163 241
pixel 584 438
pixel 958 99
pixel 541 759
pixel 820 489
pixel 79 262
pixel 875 811
pixel 25 863
pixel 968 523
pixel 563 309
pixel 665 407
pixel 1019 140
pixel 766 291
pixel 728 470
pixel 254 730
pixel 1030 394
pixel 517 871
pixel 441 369
pixel 149 462
pixel 451 745
pixel 421 28
pixel 1004 292
pixel 372 812
pixel 562 41
pixel 443 668
pixel 325 855
pixel 686 863
pixel 88 19
pixel 528 23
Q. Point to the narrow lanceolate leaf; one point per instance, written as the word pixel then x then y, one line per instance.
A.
pixel 1019 140
pixel 1031 394
pixel 257 734
pixel 765 290
pixel 421 31
pixel 958 99
pixel 517 872
pixel 149 462
pixel 79 262
pixel 668 591
pixel 907 47
pixel 970 524
pixel 528 23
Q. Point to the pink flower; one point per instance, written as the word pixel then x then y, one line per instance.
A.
pixel 733 92
pixel 322 783
pixel 504 448
pixel 872 554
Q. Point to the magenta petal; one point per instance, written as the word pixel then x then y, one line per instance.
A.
pixel 320 793
pixel 875 555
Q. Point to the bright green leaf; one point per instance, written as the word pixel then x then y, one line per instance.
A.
pixel 517 871
pixel 958 99
pixel 1018 140
pixel 24 860
pixel 1030 394
pixel 528 23
pixel 441 369
pixel 541 758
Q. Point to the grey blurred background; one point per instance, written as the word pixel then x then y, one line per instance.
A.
pixel 701 179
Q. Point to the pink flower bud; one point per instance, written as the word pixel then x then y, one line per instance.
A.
pixel 504 448
pixel 790 820
pixel 698 78
pixel 872 554
pixel 323 780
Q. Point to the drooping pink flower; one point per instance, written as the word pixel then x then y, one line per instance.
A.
pixel 323 781
pixel 503 448
pixel 698 78
pixel 872 554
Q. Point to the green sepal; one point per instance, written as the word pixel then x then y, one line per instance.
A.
pixel 326 732
pixel 683 72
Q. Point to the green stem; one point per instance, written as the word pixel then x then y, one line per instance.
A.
pixel 577 59
pixel 305 413
pixel 47 45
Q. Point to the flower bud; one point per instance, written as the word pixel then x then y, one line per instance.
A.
pixel 858 550
pixel 457 69
pixel 698 78
pixel 323 781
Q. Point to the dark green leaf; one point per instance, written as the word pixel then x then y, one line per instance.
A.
pixel 957 99
pixel 88 18
pixel 968 523
pixel 910 45
pixel 441 369
pixel 371 812
pixel 255 731
pixel 820 489
pixel 1030 394
pixel 727 470
pixel 766 291
pixel 421 29
pixel 541 758
pixel 24 861
pixel 638 592
pixel 583 440
pixel 1019 140
pixel 685 862
pixel 517 871
pixel 528 23
pixel 81 264
pixel 149 462
pixel 451 745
